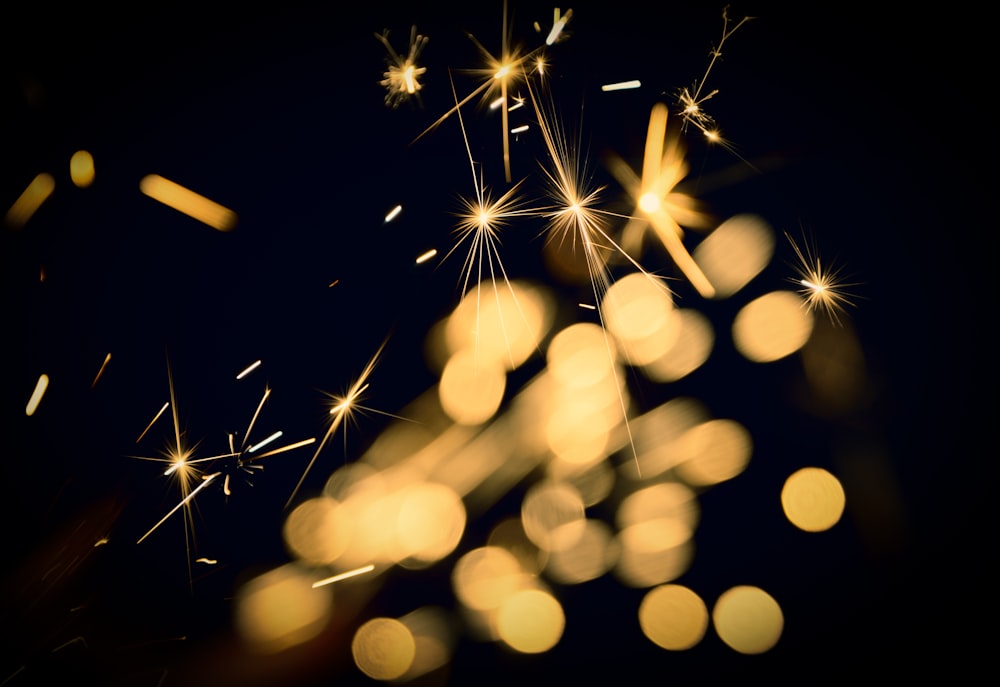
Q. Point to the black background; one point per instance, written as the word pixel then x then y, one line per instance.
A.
pixel 868 130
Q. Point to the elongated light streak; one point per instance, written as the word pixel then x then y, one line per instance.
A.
pixel 153 421
pixel 343 576
pixel 304 442
pixel 246 435
pixel 107 359
pixel 250 368
pixel 276 435
pixel 588 306
pixel 36 396
pixel 427 256
pixel 621 85
pixel 519 129
pixel 185 200
pixel 558 26
pixel 393 213
pixel 40 188
pixel 183 501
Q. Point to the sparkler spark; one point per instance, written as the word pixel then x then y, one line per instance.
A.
pixel 822 287
pixel 342 576
pixel 402 78
pixel 107 359
pixel 36 396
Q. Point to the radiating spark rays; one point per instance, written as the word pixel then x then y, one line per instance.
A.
pixel 821 287
pixel 402 78
pixel 660 206
pixel 253 419
pixel 344 407
pixel 343 576
pixel 691 99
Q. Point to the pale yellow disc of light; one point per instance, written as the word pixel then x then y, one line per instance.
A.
pixel 430 521
pixel 689 349
pixel 383 648
pixel 735 252
pixel 317 532
pixel 280 609
pixel 813 499
pixel 530 621
pixel 590 556
pixel 484 577
pixel 581 355
pixel 748 619
pixel 471 388
pixel 637 312
pixel 772 326
pixel 553 514
pixel 713 452
pixel 81 168
pixel 673 617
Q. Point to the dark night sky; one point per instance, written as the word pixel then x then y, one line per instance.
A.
pixel 867 133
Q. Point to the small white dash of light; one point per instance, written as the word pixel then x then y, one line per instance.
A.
pixel 250 368
pixel 393 213
pixel 621 85
pixel 427 256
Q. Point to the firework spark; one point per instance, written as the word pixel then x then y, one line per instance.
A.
pixel 822 287
pixel 402 78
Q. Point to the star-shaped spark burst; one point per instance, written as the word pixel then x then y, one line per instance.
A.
pixel 402 78
pixel 660 206
pixel 822 287
pixel 500 74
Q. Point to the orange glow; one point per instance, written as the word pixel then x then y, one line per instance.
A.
pixel 81 168
pixel 37 192
pixel 185 200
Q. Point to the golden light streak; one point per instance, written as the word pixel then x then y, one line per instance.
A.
pixel 36 396
pixel 81 168
pixel 153 421
pixel 250 368
pixel 424 257
pixel 184 200
pixel 558 25
pixel 333 283
pixel 289 447
pixel 343 576
pixel 183 502
pixel 393 214
pixel 107 359
pixel 37 192
pixel 206 561
pixel 253 419
pixel 101 542
pixel 662 207
pixel 265 442
pixel 622 85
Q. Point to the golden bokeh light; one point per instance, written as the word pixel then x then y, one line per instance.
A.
pixel 553 515
pixel 689 348
pixel 37 394
pixel 485 576
pixel 316 532
pixel 713 452
pixel 429 523
pixel 664 500
pixel 673 617
pixel 434 637
pixel 36 193
pixel 471 388
pixel 581 355
pixel 81 168
pixel 656 432
pixel 772 326
pixel 653 552
pixel 383 648
pixel 184 200
pixel 735 252
pixel 531 621
pixel 813 499
pixel 590 556
pixel 280 609
pixel 637 311
pixel 748 619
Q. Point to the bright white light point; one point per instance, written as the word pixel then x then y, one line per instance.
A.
pixel 250 368
pixel 502 72
pixel 811 285
pixel 712 135
pixel 621 85
pixel 497 103
pixel 519 129
pixel 410 80
pixel 177 465
pixel 393 213
pixel 264 443
pixel 427 256
pixel 206 561
pixel 588 306
pixel 649 203
pixel 519 103
pixel 36 395
pixel 343 576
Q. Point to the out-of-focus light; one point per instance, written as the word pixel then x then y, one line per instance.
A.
pixel 673 617
pixel 748 619
pixel 735 252
pixel 281 609
pixel 591 555
pixel 36 396
pixel 713 452
pixel 383 648
pixel 772 326
pixel 317 531
pixel 689 349
pixel 471 389
pixel 393 214
pixel 484 577
pixel 813 499
pixel 81 168
pixel 184 200
pixel 40 188
pixel 531 621
pixel 553 515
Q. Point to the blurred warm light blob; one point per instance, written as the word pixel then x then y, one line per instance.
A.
pixel 315 532
pixel 509 534
pixel 553 515
pixel 429 523
pixel 383 648
pixel 834 366
pixel 673 617
pixel 689 348
pixel 713 452
pixel 594 481
pixel 592 554
pixel 185 200
pixel 502 324
pixel 654 552
pixel 655 432
pixel 530 621
pixel 637 311
pixel 484 577
pixel 772 326
pixel 434 639
pixel 748 619
pixel 813 499
pixel 665 500
pixel 578 356
pixel 81 168
pixel 365 512
pixel 36 396
pixel 281 609
pixel 471 387
pixel 579 425
pixel 37 192
pixel 735 252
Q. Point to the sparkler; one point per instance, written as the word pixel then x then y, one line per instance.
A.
pixel 822 287
pixel 402 80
